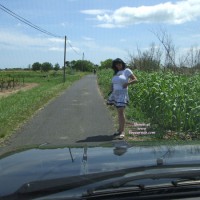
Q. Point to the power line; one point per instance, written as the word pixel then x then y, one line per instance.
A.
pixel 73 47
pixel 27 22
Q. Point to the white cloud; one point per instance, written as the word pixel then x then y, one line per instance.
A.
pixel 56 40
pixel 95 12
pixel 88 38
pixel 109 26
pixel 16 40
pixel 73 49
pixel 171 13
pixel 56 49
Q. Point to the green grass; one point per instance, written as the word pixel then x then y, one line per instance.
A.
pixel 19 107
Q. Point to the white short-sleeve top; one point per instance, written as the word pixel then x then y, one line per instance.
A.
pixel 120 78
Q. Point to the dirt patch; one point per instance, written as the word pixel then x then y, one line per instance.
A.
pixel 26 86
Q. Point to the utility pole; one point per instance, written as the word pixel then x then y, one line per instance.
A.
pixel 83 56
pixel 64 75
pixel 82 60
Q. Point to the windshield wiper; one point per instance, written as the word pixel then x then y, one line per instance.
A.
pixel 186 180
pixel 184 176
pixel 155 192
pixel 52 186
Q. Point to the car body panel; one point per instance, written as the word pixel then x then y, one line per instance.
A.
pixel 43 164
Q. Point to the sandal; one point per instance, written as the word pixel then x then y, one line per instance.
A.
pixel 120 136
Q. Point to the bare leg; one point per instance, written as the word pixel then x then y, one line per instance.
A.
pixel 121 119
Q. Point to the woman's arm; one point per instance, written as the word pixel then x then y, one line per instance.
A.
pixel 132 79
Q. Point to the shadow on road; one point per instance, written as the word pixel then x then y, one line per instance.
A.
pixel 98 138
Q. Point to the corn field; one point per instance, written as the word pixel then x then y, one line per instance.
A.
pixel 167 100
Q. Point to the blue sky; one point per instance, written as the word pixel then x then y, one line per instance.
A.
pixel 100 29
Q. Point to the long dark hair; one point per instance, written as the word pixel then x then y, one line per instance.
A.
pixel 116 61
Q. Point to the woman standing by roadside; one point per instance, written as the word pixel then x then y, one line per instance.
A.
pixel 119 92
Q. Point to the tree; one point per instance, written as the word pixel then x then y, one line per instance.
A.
pixel 169 47
pixel 46 66
pixel 192 59
pixel 106 64
pixel 56 67
pixel 83 65
pixel 148 60
pixel 36 66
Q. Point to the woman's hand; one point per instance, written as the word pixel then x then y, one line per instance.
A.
pixel 132 79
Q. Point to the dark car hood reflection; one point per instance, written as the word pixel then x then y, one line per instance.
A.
pixel 42 164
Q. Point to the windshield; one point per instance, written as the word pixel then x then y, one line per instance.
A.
pixel 97 86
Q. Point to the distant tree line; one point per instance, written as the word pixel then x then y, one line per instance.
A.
pixel 79 65
pixel 46 66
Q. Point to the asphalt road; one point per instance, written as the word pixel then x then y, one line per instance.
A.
pixel 78 116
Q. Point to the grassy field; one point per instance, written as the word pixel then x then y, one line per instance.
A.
pixel 16 108
pixel 164 104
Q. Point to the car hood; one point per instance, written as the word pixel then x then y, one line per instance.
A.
pixel 42 164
